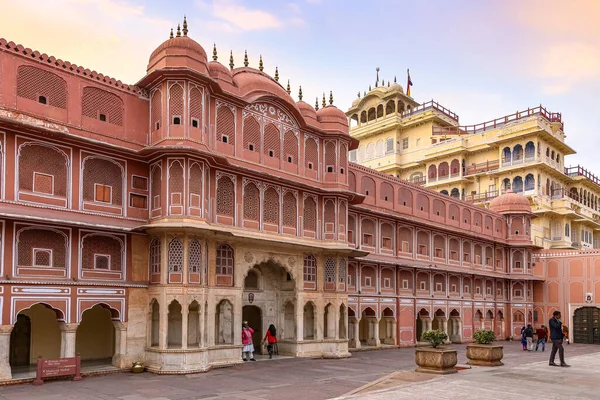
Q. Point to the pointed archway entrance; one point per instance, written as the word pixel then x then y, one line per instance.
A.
pixel 270 298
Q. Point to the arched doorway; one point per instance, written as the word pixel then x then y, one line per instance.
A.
pixel 20 341
pixel 36 333
pixel 95 339
pixel 586 325
pixel 253 315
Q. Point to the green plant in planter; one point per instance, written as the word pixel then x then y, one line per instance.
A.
pixel 434 337
pixel 484 336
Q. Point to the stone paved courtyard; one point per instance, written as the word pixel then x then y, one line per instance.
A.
pixel 323 379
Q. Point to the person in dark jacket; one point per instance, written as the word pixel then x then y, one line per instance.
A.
pixel 528 333
pixel 556 335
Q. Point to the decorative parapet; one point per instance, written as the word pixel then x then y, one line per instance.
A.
pixel 57 63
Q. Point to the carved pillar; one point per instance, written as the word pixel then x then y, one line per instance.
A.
pixel 393 323
pixel 375 324
pixel 163 323
pixel 184 325
pixel 299 320
pixel 5 372
pixel 68 334
pixel 444 324
pixel 356 330
pixel 118 359
pixel 186 246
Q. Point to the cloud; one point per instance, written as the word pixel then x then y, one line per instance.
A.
pixel 231 16
pixel 567 64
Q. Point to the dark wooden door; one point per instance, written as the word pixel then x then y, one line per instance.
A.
pixel 20 341
pixel 586 323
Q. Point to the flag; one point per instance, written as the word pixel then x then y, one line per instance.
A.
pixel 408 84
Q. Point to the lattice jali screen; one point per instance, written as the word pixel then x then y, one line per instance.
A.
pixel 29 239
pixel 195 185
pixel 175 102
pixel 195 256
pixel 310 268
pixel 290 210
pixel 271 206
pixel 290 147
pixel 97 101
pixel 251 133
pixel 46 160
pixel 225 125
pixel 311 154
pixel 330 155
pixel 34 82
pixel 343 157
pixel 342 213
pixel 154 258
pixel 176 183
pixel 251 202
pixel 330 270
pixel 175 255
pixel 310 214
pixel 342 271
pixel 156 105
pixel 104 245
pixel 224 261
pixel 156 186
pixel 103 172
pixel 272 141
pixel 196 105
pixel 225 196
pixel 329 216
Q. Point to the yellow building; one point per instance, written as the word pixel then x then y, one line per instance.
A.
pixel 425 144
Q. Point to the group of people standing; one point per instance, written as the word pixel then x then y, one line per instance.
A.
pixel 248 349
pixel 559 333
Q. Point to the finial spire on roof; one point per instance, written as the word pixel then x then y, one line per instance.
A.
pixel 185 29
pixel 324 104
pixel 276 74
pixel 377 79
pixel 245 58
pixel 358 94
pixel 394 78
pixel 388 83
pixel 215 52
pixel 171 35
pixel 288 89
pixel 369 88
pixel 231 59
pixel 317 104
pixel 260 64
pixel 300 94
pixel 364 93
pixel 178 30
pixel 330 97
pixel 383 82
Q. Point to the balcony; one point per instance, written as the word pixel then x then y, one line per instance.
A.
pixel 498 122
pixel 430 105
pixel 419 180
pixel 482 197
pixel 516 160
pixel 481 167
pixel 580 171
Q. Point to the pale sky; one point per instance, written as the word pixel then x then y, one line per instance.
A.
pixel 480 59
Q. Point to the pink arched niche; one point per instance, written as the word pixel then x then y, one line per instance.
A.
pixel 59 306
pixel 115 307
pixel 406 321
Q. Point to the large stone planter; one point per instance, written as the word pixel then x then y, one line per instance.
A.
pixel 485 354
pixel 436 361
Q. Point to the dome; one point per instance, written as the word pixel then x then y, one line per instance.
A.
pixel 306 110
pixel 395 87
pixel 510 202
pixel 253 83
pixel 219 71
pixel 333 119
pixel 180 51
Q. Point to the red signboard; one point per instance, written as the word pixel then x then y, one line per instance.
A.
pixel 58 367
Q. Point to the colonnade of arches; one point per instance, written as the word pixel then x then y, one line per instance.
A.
pixel 40 331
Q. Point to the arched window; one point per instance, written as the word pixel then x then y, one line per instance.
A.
pixel 455 193
pixel 517 153
pixel 505 184
pixel 529 151
pixel 310 268
pixel 432 174
pixel 330 272
pixel 517 184
pixel 529 182
pixel 175 255
pixel 155 260
pixel 444 192
pixel 224 262
pixel 506 155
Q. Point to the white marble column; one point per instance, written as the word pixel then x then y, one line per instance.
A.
pixel 184 325
pixel 5 372
pixel 118 359
pixel 393 325
pixel 68 333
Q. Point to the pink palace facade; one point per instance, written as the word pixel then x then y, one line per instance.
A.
pixel 145 223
